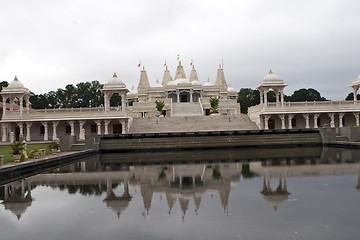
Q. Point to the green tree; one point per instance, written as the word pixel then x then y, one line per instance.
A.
pixel 159 105
pixel 303 95
pixel 214 103
pixel 2 85
pixel 248 97
pixel 350 96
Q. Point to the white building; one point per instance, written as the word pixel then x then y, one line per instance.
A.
pixel 182 97
pixel 288 115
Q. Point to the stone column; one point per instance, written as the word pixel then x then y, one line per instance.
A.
pixel 106 102
pixel 266 121
pixel 332 119
pixel 123 106
pixel 21 100
pixel 191 95
pixel 82 130
pixel 21 128
pixel 98 126
pixel 4 135
pixel 28 126
pixel 54 123
pixel 282 97
pixel 106 125
pixel 261 96
pixel 282 117
pixel 277 97
pixel 356 115
pixel 4 106
pixel 11 104
pixel 27 101
pixel 355 94
pixel 290 117
pixel 341 116
pixel 265 97
pixel 72 128
pixel 177 95
pixel 307 122
pixel 123 126
pixel 316 116
pixel 46 131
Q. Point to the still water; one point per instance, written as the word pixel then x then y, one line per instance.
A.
pixel 302 193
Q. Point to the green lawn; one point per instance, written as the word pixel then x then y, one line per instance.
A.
pixel 6 150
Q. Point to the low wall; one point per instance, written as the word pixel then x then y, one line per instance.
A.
pixel 202 140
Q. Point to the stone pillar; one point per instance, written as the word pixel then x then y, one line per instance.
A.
pixel 191 95
pixel 307 122
pixel 4 106
pixel 316 116
pixel 27 101
pixel 282 117
pixel 106 125
pixel 98 127
pixel 265 97
pixel 123 126
pixel 28 126
pixel 21 128
pixel 46 131
pixel 123 106
pixel 356 115
pixel 177 95
pixel 72 128
pixel 290 117
pixel 332 119
pixel 341 116
pixel 355 94
pixel 82 130
pixel 106 102
pixel 282 97
pixel 54 123
pixel 4 135
pixel 277 97
pixel 21 100
pixel 11 104
pixel 261 96
pixel 266 121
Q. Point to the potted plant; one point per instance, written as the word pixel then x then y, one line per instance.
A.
pixel 35 153
pixel 17 148
pixel 55 146
pixel 214 103
pixel 159 106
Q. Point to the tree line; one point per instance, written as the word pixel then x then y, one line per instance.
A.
pixel 88 94
pixel 248 97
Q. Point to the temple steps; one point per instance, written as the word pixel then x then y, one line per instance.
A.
pixel 192 124
pixel 186 109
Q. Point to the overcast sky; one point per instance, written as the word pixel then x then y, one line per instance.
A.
pixel 308 43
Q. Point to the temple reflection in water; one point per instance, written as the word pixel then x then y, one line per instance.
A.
pixel 116 184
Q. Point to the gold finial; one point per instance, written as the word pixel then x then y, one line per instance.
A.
pixel 114 74
pixel 166 67
pixel 208 79
pixel 16 78
pixel 270 72
pixel 220 66
pixel 143 68
pixel 193 67
pixel 179 63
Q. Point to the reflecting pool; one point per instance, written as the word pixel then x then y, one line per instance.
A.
pixel 300 193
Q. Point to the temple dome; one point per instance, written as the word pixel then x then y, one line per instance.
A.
pixel 182 81
pixel 271 77
pixel 231 89
pixel 115 82
pixel 196 83
pixel 158 85
pixel 356 81
pixel 132 92
pixel 15 84
pixel 171 83
pixel 208 83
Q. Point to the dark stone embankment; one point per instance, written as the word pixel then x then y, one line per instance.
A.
pixel 10 173
pixel 209 140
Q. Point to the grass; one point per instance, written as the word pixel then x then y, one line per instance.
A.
pixel 6 150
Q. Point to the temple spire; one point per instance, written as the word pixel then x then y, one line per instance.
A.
pixel 180 73
pixel 220 79
pixel 193 75
pixel 166 78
